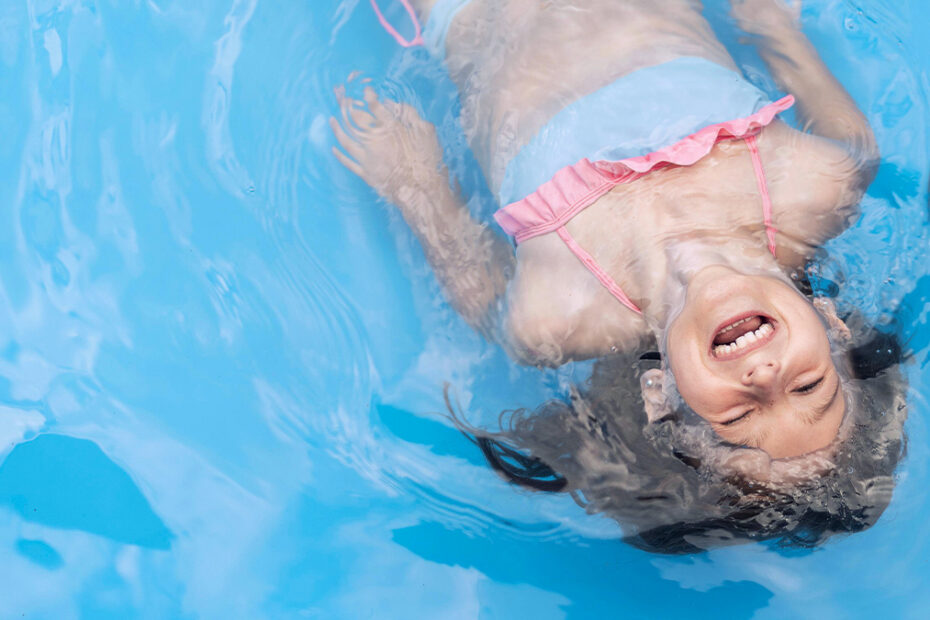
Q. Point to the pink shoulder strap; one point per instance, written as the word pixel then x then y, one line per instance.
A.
pixel 611 285
pixel 417 37
pixel 763 191
pixel 588 261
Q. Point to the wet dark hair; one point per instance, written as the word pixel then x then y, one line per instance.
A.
pixel 654 479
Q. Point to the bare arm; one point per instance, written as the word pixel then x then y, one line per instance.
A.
pixel 823 105
pixel 398 154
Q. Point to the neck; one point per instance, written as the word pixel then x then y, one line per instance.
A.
pixel 689 261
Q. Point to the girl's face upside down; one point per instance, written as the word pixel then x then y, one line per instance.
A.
pixel 751 356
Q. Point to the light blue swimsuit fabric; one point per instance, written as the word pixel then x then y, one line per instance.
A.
pixel 437 27
pixel 638 114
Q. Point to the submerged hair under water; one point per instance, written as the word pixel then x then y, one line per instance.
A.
pixel 658 481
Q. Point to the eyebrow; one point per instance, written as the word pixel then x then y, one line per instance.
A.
pixel 755 438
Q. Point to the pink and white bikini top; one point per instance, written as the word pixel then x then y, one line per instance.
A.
pixel 671 114
pixel 666 115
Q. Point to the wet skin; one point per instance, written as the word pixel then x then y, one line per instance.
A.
pixel 781 394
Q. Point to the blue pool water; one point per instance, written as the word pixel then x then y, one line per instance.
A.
pixel 222 360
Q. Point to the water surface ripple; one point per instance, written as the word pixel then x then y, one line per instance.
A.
pixel 222 359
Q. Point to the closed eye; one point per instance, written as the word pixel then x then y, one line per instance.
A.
pixel 737 418
pixel 810 387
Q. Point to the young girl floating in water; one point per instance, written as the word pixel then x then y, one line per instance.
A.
pixel 652 192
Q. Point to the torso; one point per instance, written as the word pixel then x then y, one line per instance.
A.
pixel 518 62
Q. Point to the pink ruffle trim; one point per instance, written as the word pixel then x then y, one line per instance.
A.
pixel 575 187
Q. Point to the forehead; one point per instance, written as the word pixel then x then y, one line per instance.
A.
pixel 756 465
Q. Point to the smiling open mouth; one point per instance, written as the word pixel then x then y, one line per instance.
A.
pixel 741 336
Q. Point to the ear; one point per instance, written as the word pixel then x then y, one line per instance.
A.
pixel 838 328
pixel 654 401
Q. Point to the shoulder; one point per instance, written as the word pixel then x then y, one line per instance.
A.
pixel 537 322
pixel 816 183
pixel 543 338
pixel 557 311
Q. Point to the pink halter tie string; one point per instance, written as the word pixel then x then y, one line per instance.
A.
pixel 418 34
pixel 611 285
pixel 763 190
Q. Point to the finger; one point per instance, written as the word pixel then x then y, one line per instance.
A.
pixel 347 108
pixel 399 111
pixel 372 101
pixel 346 141
pixel 392 106
pixel 361 117
pixel 384 111
pixel 346 161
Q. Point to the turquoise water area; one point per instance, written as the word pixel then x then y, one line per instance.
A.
pixel 222 359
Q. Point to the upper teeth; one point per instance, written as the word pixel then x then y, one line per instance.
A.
pixel 743 341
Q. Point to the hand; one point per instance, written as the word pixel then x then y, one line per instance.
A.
pixel 387 144
pixel 764 17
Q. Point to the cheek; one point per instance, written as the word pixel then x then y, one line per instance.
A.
pixel 691 382
pixel 680 352
pixel 809 326
pixel 679 367
pixel 815 343
pixel 682 349
pixel 686 364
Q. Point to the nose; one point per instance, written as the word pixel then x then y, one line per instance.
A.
pixel 763 375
